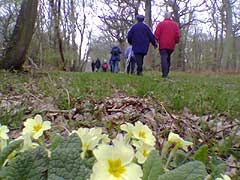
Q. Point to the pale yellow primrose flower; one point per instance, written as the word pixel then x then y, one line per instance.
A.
pixel 175 138
pixel 90 138
pixel 143 133
pixel 27 145
pixel 224 177
pixel 105 139
pixel 128 127
pixel 3 132
pixel 114 162
pixel 143 150
pixel 27 142
pixel 36 126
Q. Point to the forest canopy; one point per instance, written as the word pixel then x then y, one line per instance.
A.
pixel 67 34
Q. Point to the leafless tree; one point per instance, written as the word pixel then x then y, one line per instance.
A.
pixel 21 37
pixel 184 13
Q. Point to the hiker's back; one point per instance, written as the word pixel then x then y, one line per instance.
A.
pixel 116 51
pixel 115 58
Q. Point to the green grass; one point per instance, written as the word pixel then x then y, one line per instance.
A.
pixel 201 93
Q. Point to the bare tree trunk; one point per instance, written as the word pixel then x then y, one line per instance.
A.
pixel 56 13
pixel 215 52
pixel 60 44
pixel 180 63
pixel 215 63
pixel 220 62
pixel 122 45
pixel 53 26
pixel 229 61
pixel 149 60
pixel 22 34
pixel 74 47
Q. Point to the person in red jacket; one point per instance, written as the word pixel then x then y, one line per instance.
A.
pixel 167 34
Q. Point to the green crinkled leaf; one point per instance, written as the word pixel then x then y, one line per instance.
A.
pixel 152 167
pixel 66 163
pixel 29 165
pixel 8 150
pixel 194 170
pixel 201 154
pixel 180 158
pixel 55 141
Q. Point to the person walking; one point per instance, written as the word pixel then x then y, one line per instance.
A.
pixel 93 65
pixel 130 60
pixel 105 66
pixel 115 59
pixel 140 36
pixel 97 64
pixel 167 34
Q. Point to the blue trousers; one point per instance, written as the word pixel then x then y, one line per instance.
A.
pixel 165 55
pixel 115 66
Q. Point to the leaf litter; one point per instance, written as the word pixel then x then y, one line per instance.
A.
pixel 113 111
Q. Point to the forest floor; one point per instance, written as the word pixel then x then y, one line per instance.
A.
pixel 202 108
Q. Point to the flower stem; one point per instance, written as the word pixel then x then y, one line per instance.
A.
pixel 171 155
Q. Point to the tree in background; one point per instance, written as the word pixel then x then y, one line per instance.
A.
pixel 8 16
pixel 20 39
pixel 117 17
pixel 229 60
pixel 184 14
pixel 68 32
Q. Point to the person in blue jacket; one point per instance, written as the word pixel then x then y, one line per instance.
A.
pixel 115 59
pixel 97 64
pixel 140 36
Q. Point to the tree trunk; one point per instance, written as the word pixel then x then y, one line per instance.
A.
pixel 180 61
pixel 22 34
pixel 228 50
pixel 149 60
pixel 60 44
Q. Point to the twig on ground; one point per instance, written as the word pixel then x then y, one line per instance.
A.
pixel 33 95
pixel 115 110
pixel 58 111
pixel 228 127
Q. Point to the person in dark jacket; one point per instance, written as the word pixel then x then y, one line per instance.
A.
pixel 97 64
pixel 167 34
pixel 115 59
pixel 140 36
pixel 93 66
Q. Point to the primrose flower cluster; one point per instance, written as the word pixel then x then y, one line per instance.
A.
pixel 33 130
pixel 120 158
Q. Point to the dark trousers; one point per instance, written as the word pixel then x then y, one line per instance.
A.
pixel 165 61
pixel 139 60
pixel 131 65
pixel 115 66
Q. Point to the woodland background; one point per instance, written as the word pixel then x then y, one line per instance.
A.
pixel 45 37
pixel 67 34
